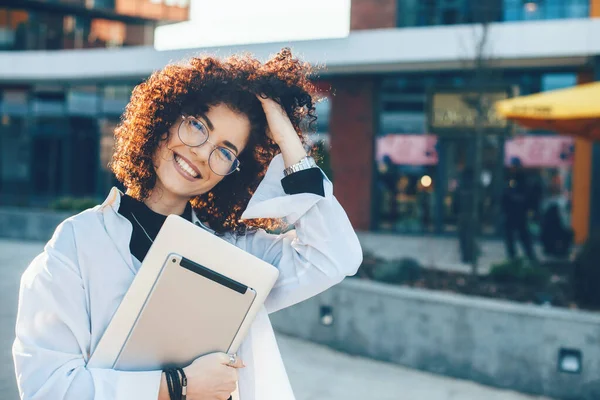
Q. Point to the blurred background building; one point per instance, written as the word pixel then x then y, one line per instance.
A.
pixel 55 135
pixel 534 46
pixel 58 109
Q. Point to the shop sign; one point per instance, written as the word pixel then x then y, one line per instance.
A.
pixel 454 111
pixel 540 151
pixel 531 151
pixel 408 149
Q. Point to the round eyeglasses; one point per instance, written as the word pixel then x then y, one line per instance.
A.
pixel 193 133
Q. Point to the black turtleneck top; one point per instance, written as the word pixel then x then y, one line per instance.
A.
pixel 146 223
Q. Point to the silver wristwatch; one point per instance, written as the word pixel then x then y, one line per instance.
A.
pixel 305 163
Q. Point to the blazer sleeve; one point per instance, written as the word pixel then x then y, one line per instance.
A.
pixel 318 253
pixel 53 335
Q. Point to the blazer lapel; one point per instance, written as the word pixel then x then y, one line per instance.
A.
pixel 118 228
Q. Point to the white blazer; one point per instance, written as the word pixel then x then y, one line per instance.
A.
pixel 71 290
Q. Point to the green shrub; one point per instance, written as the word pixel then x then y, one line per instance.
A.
pixel 519 271
pixel 586 273
pixel 76 204
pixel 397 271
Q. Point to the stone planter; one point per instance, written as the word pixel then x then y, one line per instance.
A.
pixel 497 343
pixel 28 224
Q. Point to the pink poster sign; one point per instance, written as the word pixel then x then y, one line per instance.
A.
pixel 408 149
pixel 540 151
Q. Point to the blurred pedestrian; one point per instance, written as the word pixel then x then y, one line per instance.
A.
pixel 424 203
pixel 517 202
pixel 388 174
pixel 556 234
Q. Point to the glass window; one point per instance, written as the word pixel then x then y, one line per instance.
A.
pixel 13 30
pixel 105 33
pixel 139 35
pixel 141 8
pixel 49 141
pixel 81 3
pixel 179 11
pixel 70 40
pixel 127 7
pixel 322 110
pixel 459 187
pixel 83 100
pixel 83 159
pixel 105 4
pixel 446 12
pixel 7 32
pixel 175 10
pixel 408 11
pixel 423 180
pixel 558 81
pixel 14 156
pixel 115 99
pixel 106 178
pixel 48 101
pixel 405 182
pixel 449 12
pixel 14 102
pixel 107 128
pixel 47 30
pixel 527 10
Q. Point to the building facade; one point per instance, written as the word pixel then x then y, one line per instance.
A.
pixel 414 174
pixel 56 135
pixel 57 118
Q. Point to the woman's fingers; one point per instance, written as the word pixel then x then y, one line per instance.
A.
pixel 226 359
pixel 280 127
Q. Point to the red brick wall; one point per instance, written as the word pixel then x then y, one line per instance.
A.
pixel 352 132
pixel 372 14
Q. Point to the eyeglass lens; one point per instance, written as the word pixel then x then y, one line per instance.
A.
pixel 193 133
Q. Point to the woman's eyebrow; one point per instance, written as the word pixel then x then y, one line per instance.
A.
pixel 210 125
pixel 231 145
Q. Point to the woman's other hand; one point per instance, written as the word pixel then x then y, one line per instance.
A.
pixel 209 377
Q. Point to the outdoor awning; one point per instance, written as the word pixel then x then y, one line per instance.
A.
pixel 574 111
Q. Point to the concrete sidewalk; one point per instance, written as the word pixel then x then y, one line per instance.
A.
pixel 316 372
pixel 319 373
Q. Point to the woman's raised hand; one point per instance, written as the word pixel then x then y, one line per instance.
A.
pixel 281 131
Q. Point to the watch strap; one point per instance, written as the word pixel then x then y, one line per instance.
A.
pixel 305 163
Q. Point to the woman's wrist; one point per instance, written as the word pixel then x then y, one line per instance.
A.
pixel 292 150
pixel 163 391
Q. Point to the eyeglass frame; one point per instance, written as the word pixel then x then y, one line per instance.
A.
pixel 215 147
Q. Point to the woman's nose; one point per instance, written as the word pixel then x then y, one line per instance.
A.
pixel 203 151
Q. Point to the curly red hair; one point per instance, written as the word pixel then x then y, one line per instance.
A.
pixel 192 87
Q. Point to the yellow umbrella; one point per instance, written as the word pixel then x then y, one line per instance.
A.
pixel 574 111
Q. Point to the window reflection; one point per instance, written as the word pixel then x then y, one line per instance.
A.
pixel 450 12
pixel 42 30
pixel 105 33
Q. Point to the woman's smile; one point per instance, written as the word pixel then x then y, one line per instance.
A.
pixel 185 168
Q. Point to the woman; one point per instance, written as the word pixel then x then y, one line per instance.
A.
pixel 200 140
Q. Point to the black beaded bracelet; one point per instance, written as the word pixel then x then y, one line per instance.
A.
pixel 174 383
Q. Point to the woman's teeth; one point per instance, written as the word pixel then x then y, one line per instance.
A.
pixel 185 166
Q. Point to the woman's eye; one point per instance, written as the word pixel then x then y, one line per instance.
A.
pixel 225 154
pixel 197 125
